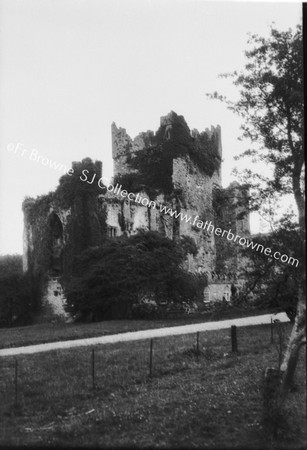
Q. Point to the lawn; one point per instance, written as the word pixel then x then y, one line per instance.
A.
pixel 210 400
pixel 52 332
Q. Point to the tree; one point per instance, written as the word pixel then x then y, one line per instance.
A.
pixel 19 294
pixel 109 279
pixel 271 108
pixel 273 283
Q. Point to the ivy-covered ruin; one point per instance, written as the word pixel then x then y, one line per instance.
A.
pixel 175 167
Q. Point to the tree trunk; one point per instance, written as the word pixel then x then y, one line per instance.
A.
pixel 298 334
pixel 297 339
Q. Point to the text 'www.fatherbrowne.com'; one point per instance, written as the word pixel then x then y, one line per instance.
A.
pixel 210 228
pixel 196 221
pixel 35 156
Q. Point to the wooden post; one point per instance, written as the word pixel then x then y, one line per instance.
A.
pixel 197 345
pixel 16 382
pixel 150 358
pixel 271 400
pixel 234 343
pixel 93 369
pixel 272 331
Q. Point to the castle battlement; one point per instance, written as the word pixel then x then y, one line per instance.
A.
pixel 174 166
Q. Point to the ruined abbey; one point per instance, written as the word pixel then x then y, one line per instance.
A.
pixel 175 167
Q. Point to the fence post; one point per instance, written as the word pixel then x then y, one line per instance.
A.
pixel 16 382
pixel 150 358
pixel 272 331
pixel 234 343
pixel 197 345
pixel 93 369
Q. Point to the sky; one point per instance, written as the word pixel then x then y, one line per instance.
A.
pixel 69 68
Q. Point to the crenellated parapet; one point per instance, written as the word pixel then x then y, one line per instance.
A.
pixel 174 167
pixel 124 148
pixel 188 165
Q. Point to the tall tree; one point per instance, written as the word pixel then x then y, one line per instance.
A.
pixel 110 279
pixel 19 293
pixel 271 107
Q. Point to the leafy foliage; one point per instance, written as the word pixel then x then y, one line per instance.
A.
pixel 39 255
pixel 76 196
pixel 271 108
pixel 19 293
pixel 274 284
pixel 10 265
pixel 154 163
pixel 188 245
pixel 109 279
pixel 72 186
pixel 226 215
pixel 87 224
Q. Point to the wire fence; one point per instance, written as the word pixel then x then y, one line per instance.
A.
pixel 120 366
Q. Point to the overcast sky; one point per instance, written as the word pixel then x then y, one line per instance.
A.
pixel 69 68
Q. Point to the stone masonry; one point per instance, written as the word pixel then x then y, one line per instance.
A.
pixel 192 194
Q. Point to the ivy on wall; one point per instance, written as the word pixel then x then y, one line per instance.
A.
pixel 86 224
pixel 154 163
pixel 226 218
pixel 37 212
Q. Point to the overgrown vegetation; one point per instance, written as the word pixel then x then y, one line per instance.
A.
pixel 82 182
pixel 39 256
pixel 109 279
pixel 271 109
pixel 225 219
pixel 87 221
pixel 154 164
pixel 86 224
pixel 273 283
pixel 19 293
pixel 270 283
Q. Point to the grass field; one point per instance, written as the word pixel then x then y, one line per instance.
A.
pixel 213 400
pixel 52 332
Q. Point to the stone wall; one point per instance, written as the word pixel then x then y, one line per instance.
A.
pixel 123 148
pixel 54 300
pixel 231 213
pixel 191 191
pixel 217 292
pixel 192 186
pixel 125 216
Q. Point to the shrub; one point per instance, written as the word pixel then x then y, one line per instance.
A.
pixel 108 280
pixel 19 294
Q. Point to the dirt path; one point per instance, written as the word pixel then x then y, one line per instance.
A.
pixel 145 334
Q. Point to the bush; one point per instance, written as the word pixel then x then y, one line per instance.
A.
pixel 110 279
pixel 146 307
pixel 19 294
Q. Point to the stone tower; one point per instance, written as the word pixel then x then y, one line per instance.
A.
pixel 190 161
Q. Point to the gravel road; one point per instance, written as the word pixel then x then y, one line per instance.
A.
pixel 145 334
